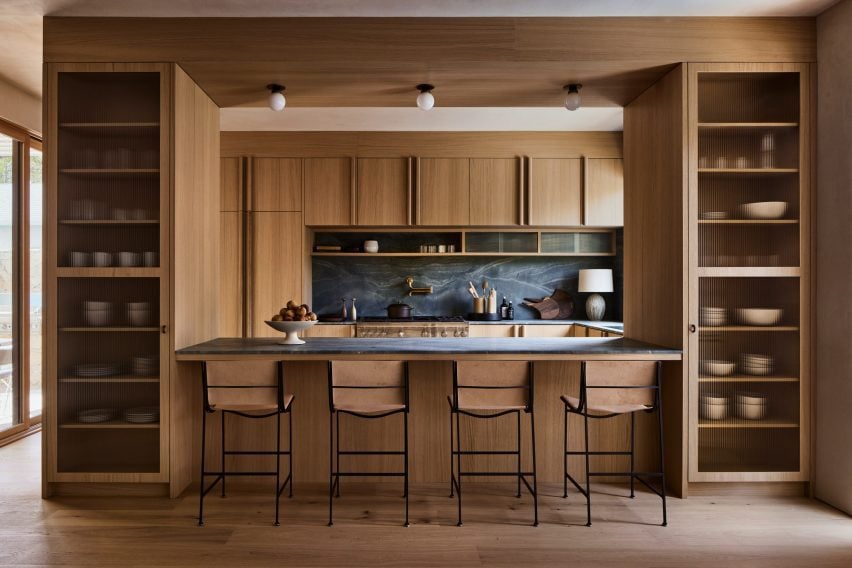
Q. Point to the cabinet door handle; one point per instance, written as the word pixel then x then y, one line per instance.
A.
pixel 692 328
pixel 164 329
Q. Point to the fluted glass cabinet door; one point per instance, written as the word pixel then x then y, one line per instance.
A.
pixel 749 168
pixel 107 348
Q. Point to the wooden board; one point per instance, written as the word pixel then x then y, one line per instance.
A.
pixel 276 184
pixel 231 271
pixel 443 192
pixel 555 192
pixel 494 192
pixel 383 191
pixel 604 195
pixel 328 191
pixel 231 184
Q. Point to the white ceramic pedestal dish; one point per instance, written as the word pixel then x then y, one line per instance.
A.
pixel 291 329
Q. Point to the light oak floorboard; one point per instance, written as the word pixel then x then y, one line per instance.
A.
pixel 703 531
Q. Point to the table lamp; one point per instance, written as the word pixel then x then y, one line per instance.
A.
pixel 595 280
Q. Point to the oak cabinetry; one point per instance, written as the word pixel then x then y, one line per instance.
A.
pixel 443 192
pixel 493 330
pixel 383 192
pixel 231 271
pixel 231 184
pixel 328 191
pixel 275 270
pixel 276 184
pixel 604 192
pixel 495 192
pixel 555 192
pixel 546 330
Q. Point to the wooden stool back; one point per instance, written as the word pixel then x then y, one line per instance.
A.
pixel 493 384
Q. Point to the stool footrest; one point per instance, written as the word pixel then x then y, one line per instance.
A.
pixel 368 474
pixel 370 453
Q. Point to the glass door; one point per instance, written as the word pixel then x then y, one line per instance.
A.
pixel 11 415
pixel 34 281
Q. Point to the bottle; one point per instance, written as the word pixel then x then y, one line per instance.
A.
pixel 504 309
pixel 510 311
pixel 343 309
pixel 354 313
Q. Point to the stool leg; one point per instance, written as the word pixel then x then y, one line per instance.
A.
pixel 405 429
pixel 290 445
pixel 662 459
pixel 565 457
pixel 452 444
pixel 201 485
pixel 337 450
pixel 519 453
pixel 534 468
pixel 277 467
pixel 223 453
pixel 330 468
pixel 632 450
pixel 588 484
pixel 458 466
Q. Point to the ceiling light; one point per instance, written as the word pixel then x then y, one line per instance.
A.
pixel 572 96
pixel 425 100
pixel 277 102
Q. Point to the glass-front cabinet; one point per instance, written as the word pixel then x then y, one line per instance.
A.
pixel 748 281
pixel 107 218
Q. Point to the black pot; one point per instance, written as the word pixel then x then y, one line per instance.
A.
pixel 399 311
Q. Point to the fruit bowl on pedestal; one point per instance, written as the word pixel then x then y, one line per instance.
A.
pixel 291 330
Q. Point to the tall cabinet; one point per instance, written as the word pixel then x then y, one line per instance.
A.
pixel 749 289
pixel 128 215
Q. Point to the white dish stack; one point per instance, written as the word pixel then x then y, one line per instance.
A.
pixel 712 316
pixel 714 407
pixel 145 366
pixel 716 367
pixel 97 314
pixel 139 314
pixel 96 415
pixel 757 364
pixel 142 415
pixel 750 405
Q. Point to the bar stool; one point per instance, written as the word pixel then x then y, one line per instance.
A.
pixel 367 390
pixel 251 389
pixel 486 390
pixel 608 389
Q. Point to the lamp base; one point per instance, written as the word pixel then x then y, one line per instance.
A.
pixel 595 307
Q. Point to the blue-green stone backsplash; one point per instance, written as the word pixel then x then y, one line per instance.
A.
pixel 379 281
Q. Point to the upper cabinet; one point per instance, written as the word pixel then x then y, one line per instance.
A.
pixel 383 192
pixel 328 191
pixel 276 184
pixel 555 191
pixel 604 192
pixel 495 192
pixel 443 195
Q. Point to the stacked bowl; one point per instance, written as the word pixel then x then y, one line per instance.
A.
pixel 716 367
pixel 750 405
pixel 712 316
pixel 713 407
pixel 145 366
pixel 97 314
pixel 757 364
pixel 138 314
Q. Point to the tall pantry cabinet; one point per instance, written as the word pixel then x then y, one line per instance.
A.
pixel 132 216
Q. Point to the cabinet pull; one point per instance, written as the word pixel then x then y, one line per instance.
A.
pixel 164 329
pixel 692 328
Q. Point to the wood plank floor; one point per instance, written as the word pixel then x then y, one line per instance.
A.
pixel 702 531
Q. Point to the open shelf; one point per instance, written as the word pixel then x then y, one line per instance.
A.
pixel 748 170
pixel 749 271
pixel 747 125
pixel 748 221
pixel 747 379
pixel 748 328
pixel 743 423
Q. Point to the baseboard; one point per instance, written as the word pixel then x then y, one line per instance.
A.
pixel 755 489
pixel 34 429
pixel 63 489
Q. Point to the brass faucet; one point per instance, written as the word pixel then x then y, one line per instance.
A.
pixel 412 291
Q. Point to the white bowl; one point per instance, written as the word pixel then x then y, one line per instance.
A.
pixel 713 399
pixel 138 305
pixel 81 258
pixel 138 318
pixel 371 246
pixel 101 259
pixel 98 318
pixel 749 398
pixel 712 321
pixel 716 368
pixel 757 371
pixel 90 306
pixel 763 210
pixel 292 329
pixel 713 411
pixel 126 258
pixel 759 316
pixel 750 411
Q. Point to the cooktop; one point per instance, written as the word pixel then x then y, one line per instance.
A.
pixel 414 319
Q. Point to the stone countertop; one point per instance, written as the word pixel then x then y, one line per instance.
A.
pixel 604 325
pixel 322 348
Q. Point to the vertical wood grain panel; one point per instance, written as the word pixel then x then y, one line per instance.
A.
pixel 556 192
pixel 328 191
pixel 277 184
pixel 230 305
pixel 605 192
pixel 276 247
pixel 444 191
pixel 382 191
pixel 494 191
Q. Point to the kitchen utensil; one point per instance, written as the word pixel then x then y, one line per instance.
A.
pixel 743 163
pixel 96 369
pixel 291 329
pixel 759 316
pixel 559 305
pixel 399 310
pixel 716 368
pixel 721 162
pixel 442 248
pixel 763 210
pixel 479 305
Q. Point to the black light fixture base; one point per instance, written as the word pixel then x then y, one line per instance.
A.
pixel 276 88
pixel 425 87
pixel 573 87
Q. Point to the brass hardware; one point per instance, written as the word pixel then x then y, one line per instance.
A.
pixel 412 291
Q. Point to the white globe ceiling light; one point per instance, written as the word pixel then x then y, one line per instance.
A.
pixel 277 102
pixel 425 100
pixel 572 96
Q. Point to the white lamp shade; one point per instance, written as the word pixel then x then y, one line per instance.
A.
pixel 425 100
pixel 572 100
pixel 277 102
pixel 595 280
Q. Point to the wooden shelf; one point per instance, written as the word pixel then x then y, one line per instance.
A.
pixel 109 222
pixel 123 379
pixel 451 254
pixel 96 125
pixel 109 329
pixel 108 272
pixel 747 379
pixel 748 221
pixel 112 424
pixel 109 171
pixel 747 125
pixel 750 271
pixel 368 254
pixel 748 170
pixel 749 328
pixel 742 423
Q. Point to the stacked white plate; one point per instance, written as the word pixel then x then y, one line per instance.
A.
pixel 142 415
pixel 97 314
pixel 710 316
pixel 716 368
pixel 145 366
pixel 750 405
pixel 713 215
pixel 96 415
pixel 96 369
pixel 756 364
pixel 138 314
pixel 713 407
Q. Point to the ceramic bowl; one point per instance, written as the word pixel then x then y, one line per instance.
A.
pixel 759 316
pixel 716 368
pixel 291 329
pixel 751 411
pixel 763 210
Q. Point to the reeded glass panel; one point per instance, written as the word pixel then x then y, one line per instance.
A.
pixel 501 242
pixel 35 282
pixel 10 394
pixel 577 243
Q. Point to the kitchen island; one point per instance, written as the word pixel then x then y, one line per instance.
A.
pixel 557 364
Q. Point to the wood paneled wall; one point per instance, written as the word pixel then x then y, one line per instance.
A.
pixel 655 243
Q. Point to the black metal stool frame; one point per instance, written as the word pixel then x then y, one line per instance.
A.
pixel 632 474
pixel 278 452
pixel 456 452
pixel 334 444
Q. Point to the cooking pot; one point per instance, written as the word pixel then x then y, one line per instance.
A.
pixel 399 311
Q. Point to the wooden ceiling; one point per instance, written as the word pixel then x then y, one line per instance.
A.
pixel 473 62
